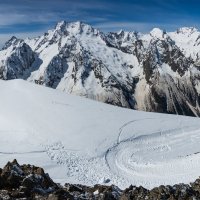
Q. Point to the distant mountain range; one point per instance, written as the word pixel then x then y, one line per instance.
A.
pixel 158 71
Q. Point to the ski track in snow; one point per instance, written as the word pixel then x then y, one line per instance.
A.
pixel 137 158
pixel 123 163
pixel 119 136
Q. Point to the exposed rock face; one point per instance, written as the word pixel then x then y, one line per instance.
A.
pixel 25 181
pixel 156 72
pixel 30 182
pixel 17 58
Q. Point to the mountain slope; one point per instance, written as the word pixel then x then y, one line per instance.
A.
pixel 16 59
pixel 77 140
pixel 152 72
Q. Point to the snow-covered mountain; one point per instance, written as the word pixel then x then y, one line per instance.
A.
pixel 157 72
pixel 78 140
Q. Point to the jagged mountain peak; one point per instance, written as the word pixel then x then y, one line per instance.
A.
pixel 64 28
pixel 127 34
pixel 13 41
pixel 13 38
pixel 158 33
pixel 187 30
pixel 123 40
pixel 64 34
pixel 123 32
pixel 120 32
pixel 60 26
pixel 75 28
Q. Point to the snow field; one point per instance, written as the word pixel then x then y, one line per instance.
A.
pixel 78 140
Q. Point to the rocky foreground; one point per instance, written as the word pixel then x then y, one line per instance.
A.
pixel 31 182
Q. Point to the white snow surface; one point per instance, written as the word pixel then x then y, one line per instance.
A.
pixel 81 141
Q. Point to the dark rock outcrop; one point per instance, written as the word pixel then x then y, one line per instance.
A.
pixel 24 181
pixel 29 182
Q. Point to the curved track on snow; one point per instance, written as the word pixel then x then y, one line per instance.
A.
pixel 151 154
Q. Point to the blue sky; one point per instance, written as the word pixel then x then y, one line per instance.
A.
pixel 32 17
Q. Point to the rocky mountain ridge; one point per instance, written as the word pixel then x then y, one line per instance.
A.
pixel 157 72
pixel 31 182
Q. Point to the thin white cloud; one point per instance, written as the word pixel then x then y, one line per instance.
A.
pixel 45 11
pixel 18 18
pixel 114 26
pixel 135 26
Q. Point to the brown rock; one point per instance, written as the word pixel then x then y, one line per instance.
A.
pixel 60 194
